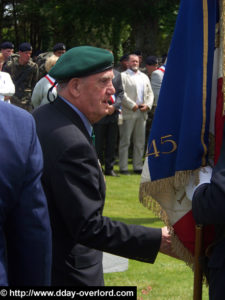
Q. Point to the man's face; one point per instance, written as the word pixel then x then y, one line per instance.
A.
pixel 140 59
pixel 95 92
pixel 6 53
pixel 59 52
pixel 133 63
pixel 124 64
pixel 151 68
pixel 24 56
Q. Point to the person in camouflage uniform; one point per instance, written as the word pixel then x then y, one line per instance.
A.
pixel 58 50
pixel 7 49
pixel 24 73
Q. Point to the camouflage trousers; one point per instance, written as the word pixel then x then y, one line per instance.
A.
pixel 24 103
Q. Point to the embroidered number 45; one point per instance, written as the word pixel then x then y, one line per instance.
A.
pixel 153 149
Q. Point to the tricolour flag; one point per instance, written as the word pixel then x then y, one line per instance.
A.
pixel 178 145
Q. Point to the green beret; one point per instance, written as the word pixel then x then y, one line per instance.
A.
pixel 82 61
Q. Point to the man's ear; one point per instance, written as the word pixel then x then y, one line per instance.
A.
pixel 74 87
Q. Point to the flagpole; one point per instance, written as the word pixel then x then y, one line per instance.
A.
pixel 198 270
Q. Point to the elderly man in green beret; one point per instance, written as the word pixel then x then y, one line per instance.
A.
pixel 73 179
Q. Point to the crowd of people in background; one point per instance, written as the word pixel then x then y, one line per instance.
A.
pixel 137 83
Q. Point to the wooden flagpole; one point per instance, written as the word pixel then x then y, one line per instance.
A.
pixel 198 269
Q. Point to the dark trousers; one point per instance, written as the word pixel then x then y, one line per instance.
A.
pixel 105 143
pixel 216 283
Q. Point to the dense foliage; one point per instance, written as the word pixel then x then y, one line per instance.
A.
pixel 119 25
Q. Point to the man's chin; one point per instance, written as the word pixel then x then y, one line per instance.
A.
pixel 98 118
pixel 135 69
pixel 106 112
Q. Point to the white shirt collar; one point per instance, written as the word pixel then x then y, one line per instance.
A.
pixel 132 72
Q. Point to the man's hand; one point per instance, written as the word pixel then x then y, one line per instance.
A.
pixel 166 244
pixel 135 107
pixel 143 107
pixel 111 109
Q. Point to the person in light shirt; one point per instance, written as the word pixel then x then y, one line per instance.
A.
pixel 40 92
pixel 137 101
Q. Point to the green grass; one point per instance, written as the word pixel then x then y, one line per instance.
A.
pixel 167 278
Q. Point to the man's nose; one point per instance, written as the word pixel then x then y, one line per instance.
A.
pixel 112 90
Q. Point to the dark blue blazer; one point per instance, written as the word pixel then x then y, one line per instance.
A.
pixel 25 235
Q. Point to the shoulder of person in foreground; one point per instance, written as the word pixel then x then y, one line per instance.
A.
pixel 28 229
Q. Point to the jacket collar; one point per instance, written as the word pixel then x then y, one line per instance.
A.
pixel 71 114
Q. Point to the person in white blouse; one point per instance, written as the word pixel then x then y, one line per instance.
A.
pixel 40 92
pixel 7 87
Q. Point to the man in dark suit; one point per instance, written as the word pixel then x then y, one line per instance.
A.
pixel 209 208
pixel 106 130
pixel 73 179
pixel 25 233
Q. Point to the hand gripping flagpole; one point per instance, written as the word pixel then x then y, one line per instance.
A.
pixel 198 268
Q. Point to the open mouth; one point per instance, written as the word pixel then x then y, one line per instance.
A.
pixel 105 102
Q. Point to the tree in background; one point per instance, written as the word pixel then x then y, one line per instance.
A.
pixel 122 26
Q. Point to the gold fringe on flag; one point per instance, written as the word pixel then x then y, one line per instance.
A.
pixel 149 192
pixel 180 179
pixel 178 248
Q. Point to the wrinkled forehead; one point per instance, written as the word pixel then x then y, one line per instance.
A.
pixel 107 74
